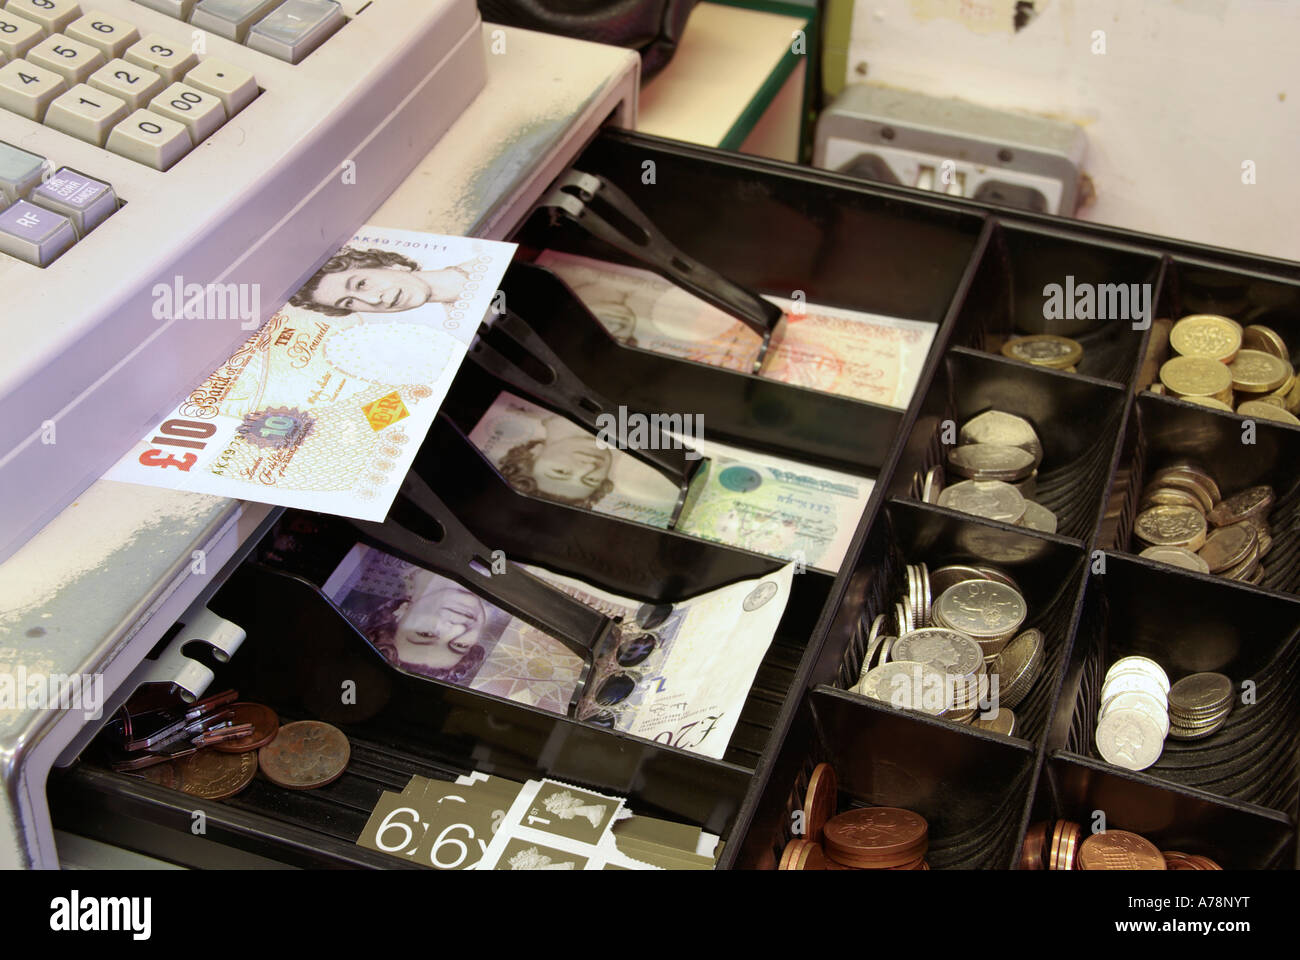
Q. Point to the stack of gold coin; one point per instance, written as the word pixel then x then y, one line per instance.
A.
pixel 1220 364
pixel 998 454
pixel 1060 845
pixel 1199 705
pixel 1045 350
pixel 1184 520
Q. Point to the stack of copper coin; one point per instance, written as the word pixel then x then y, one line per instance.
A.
pixel 1188 861
pixel 1062 846
pixel 1185 520
pixel 869 838
pixel 1224 366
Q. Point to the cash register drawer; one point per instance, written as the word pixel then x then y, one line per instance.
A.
pixel 979 273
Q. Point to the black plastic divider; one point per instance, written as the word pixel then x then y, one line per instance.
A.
pixel 1191 623
pixel 1243 292
pixel 1235 837
pixel 1032 280
pixel 1163 429
pixel 1077 420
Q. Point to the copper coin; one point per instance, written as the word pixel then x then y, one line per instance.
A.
pixel 305 755
pixel 265 725
pixel 877 836
pixel 810 858
pixel 215 776
pixel 1031 852
pixel 820 801
pixel 790 855
pixel 1119 850
pixel 163 774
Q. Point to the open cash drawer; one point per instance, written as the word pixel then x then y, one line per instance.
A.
pixel 299 649
pixel 978 272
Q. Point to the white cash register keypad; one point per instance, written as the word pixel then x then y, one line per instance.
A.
pixel 146 96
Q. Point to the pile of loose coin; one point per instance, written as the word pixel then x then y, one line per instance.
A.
pixel 1184 520
pixel 1225 366
pixel 1058 846
pixel 866 838
pixel 962 654
pixel 1045 350
pixel 1139 709
pixel 997 455
pixel 302 755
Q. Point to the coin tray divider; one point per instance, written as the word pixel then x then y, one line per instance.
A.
pixel 1010 292
pixel 1163 429
pixel 1072 477
pixel 1190 623
pixel 1092 793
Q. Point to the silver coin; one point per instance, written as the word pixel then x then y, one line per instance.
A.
pixel 994 426
pixel 1038 517
pixel 1200 692
pixel 1141 701
pixel 1134 681
pixel 1129 739
pixel 933 485
pixel 927 608
pixel 1185 733
pixel 955 654
pixel 1018 666
pixel 982 608
pixel 990 499
pixel 991 461
pixel 1145 664
pixel 908 685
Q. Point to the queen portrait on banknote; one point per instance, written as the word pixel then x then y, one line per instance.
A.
pixel 425 623
pixel 378 281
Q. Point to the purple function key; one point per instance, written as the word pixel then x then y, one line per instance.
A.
pixel 85 201
pixel 34 234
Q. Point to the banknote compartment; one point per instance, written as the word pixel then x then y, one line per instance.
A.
pixel 756 413
pixel 1042 280
pixel 1163 429
pixel 299 655
pixel 1190 623
pixel 1077 421
pixel 971 790
pixel 776 228
pixel 1049 573
pixel 1235 836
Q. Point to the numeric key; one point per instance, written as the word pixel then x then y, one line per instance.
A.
pixel 71 59
pixel 165 57
pixel 28 90
pixel 132 83
pixel 108 34
pixel 53 15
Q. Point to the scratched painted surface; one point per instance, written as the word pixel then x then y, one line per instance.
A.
pixel 73 586
pixel 488 153
pixel 1181 100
